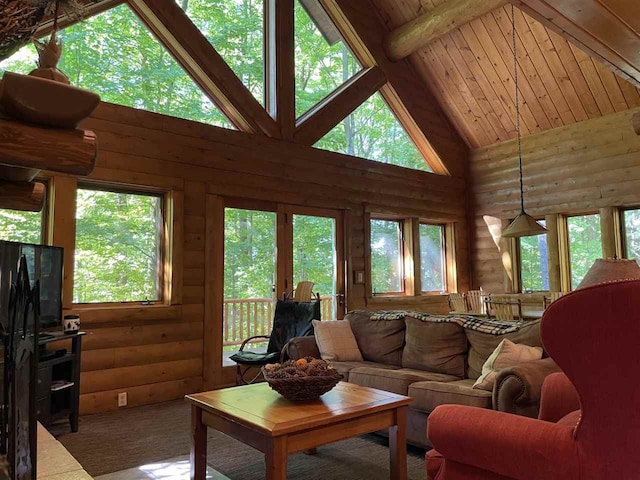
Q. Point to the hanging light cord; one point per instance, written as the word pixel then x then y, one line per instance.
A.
pixel 515 77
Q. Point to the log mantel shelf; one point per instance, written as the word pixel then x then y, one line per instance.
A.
pixel 71 151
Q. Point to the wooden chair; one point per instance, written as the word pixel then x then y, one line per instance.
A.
pixel 552 297
pixel 475 301
pixel 457 303
pixel 303 292
pixel 502 308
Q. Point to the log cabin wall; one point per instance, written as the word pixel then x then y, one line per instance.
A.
pixel 160 352
pixel 581 168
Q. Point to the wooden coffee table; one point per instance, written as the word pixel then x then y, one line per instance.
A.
pixel 261 418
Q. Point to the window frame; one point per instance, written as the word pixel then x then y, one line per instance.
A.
pixel 517 262
pixel 404 251
pixel 166 252
pixel 445 257
pixel 565 253
pixel 622 230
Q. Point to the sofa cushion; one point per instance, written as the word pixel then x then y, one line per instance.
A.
pixel 482 345
pixel 507 354
pixel 396 381
pixel 345 367
pixel 428 395
pixel 336 341
pixel 436 347
pixel 379 341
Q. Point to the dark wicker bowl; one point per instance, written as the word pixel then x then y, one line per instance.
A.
pixel 299 389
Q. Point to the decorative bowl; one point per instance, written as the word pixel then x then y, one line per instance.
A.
pixel 302 388
pixel 45 102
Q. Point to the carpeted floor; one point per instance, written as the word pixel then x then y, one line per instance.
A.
pixel 115 441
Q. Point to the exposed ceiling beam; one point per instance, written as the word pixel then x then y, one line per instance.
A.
pixel 410 99
pixel 25 196
pixel 607 30
pixel 321 119
pixel 205 65
pixel 447 16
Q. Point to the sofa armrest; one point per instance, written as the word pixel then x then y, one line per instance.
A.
pixel 515 447
pixel 559 398
pixel 518 389
pixel 300 347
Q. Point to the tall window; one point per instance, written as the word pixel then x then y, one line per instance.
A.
pixel 387 259
pixel 534 263
pixel 432 258
pixel 585 245
pixel 118 255
pixel 19 226
pixel 632 234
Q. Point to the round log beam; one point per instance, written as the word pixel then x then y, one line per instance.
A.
pixel 26 196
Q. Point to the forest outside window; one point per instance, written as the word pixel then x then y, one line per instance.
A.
pixel 534 262
pixel 432 258
pixel 631 222
pixel 585 245
pixel 119 246
pixel 387 257
pixel 19 226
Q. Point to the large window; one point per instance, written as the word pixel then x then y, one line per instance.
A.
pixel 632 233
pixel 387 259
pixel 585 245
pixel 534 263
pixel 119 244
pixel 432 258
pixel 19 226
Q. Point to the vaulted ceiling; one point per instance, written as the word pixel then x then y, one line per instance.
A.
pixel 470 70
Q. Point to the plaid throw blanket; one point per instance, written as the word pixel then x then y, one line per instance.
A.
pixel 479 324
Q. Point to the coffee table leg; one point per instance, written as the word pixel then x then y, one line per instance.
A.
pixel 276 459
pixel 198 445
pixel 398 445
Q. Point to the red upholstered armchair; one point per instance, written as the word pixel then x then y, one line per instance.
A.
pixel 590 432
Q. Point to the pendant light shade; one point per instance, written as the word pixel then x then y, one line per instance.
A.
pixel 524 225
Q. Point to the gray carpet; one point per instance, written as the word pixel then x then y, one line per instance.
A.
pixel 115 441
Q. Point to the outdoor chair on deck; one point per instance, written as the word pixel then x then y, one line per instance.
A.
pixel 505 309
pixel 292 318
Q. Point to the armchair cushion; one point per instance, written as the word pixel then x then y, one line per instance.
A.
pixel 516 447
pixel 428 395
pixel 559 398
pixel 396 381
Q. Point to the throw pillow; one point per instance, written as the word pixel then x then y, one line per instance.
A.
pixel 336 341
pixel 507 354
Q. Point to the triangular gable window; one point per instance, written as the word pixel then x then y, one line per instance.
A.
pixel 236 30
pixel 372 131
pixel 323 61
pixel 114 55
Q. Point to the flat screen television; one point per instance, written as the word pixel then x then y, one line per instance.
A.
pixel 45 265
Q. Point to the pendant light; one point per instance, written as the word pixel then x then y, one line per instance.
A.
pixel 524 225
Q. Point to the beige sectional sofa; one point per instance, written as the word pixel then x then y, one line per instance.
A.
pixel 436 363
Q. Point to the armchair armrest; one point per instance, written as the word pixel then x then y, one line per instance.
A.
pixel 252 338
pixel 518 389
pixel 516 447
pixel 559 397
pixel 300 347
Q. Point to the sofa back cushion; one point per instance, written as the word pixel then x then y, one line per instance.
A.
pixel 436 347
pixel 482 345
pixel 379 341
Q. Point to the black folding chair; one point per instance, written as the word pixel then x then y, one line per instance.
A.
pixel 291 319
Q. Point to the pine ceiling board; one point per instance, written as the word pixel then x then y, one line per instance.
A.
pixel 471 69
pixel 626 11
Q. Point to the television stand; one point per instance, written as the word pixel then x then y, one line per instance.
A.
pixel 58 384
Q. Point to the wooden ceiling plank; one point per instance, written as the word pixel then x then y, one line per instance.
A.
pixel 602 30
pixel 630 92
pixel 281 61
pixel 539 61
pixel 503 113
pixel 593 80
pixel 578 80
pixel 614 91
pixel 557 68
pixel 200 59
pixel 528 96
pixel 412 102
pixel 321 119
pixel 431 25
pixel 466 86
pixel 529 72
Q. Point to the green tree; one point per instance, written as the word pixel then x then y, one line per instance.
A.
pixel 585 245
pixel 386 256
pixel 18 226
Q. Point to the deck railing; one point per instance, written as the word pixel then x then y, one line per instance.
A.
pixel 244 318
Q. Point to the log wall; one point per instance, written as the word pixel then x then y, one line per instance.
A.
pixel 581 168
pixel 157 353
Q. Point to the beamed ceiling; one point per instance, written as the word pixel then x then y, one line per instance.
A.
pixel 470 70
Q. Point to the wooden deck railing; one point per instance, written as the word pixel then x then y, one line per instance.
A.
pixel 244 318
